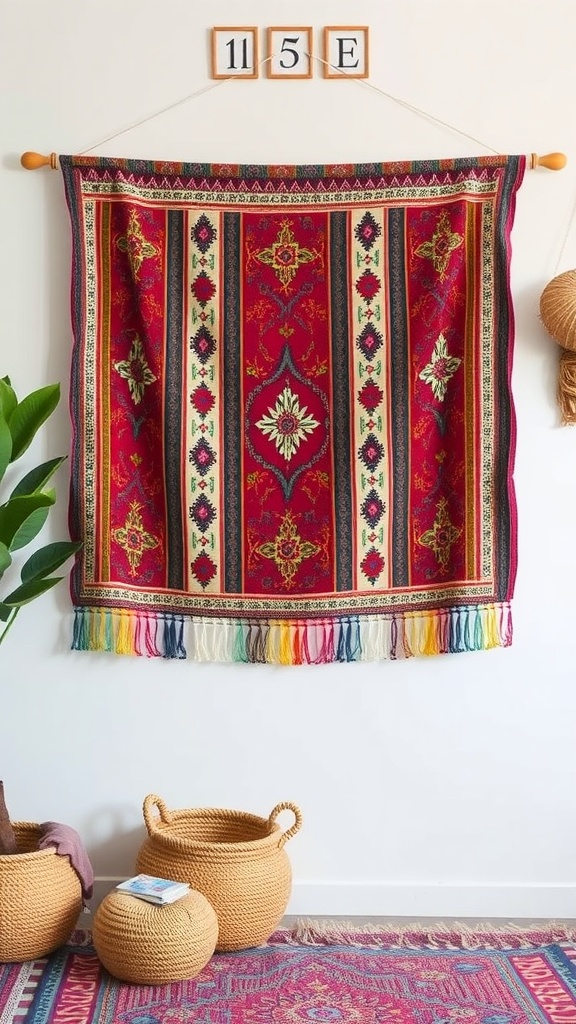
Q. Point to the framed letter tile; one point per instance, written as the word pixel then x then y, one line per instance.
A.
pixel 235 52
pixel 289 52
pixel 346 51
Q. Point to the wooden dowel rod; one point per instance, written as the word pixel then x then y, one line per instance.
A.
pixel 31 161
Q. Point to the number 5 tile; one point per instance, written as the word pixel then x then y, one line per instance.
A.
pixel 289 52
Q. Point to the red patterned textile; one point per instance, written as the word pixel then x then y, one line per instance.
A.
pixel 293 425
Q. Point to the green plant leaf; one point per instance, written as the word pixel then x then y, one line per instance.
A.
pixel 28 591
pixel 29 529
pixel 16 511
pixel 5 612
pixel 47 559
pixel 5 559
pixel 37 478
pixel 8 400
pixel 29 415
pixel 5 445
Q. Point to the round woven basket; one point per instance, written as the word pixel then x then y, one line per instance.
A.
pixel 235 859
pixel 149 945
pixel 40 898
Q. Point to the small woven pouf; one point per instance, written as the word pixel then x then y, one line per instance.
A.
pixel 145 944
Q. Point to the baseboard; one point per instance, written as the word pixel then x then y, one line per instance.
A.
pixel 416 901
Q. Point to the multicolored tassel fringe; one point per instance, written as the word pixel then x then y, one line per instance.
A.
pixel 298 642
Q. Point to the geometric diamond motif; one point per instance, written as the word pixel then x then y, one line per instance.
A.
pixel 371 452
pixel 203 288
pixel 203 513
pixel 369 341
pixel 203 457
pixel 367 285
pixel 203 400
pixel 203 569
pixel 203 233
pixel 370 395
pixel 373 508
pixel 367 231
pixel 372 565
pixel 203 344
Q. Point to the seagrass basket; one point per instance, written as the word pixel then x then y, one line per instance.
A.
pixel 237 860
pixel 40 898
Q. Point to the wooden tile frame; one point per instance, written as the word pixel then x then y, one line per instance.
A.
pixel 329 69
pixel 247 29
pixel 307 29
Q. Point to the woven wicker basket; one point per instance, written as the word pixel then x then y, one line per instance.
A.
pixel 235 859
pixel 40 898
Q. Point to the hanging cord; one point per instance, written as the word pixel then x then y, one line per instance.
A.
pixel 569 226
pixel 403 103
pixel 164 110
pixel 311 56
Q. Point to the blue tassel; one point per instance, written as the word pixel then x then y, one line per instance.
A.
pixel 466 637
pixel 180 649
pixel 355 640
pixel 80 630
pixel 173 639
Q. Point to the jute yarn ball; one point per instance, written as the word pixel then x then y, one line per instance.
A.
pixel 558 314
pixel 152 945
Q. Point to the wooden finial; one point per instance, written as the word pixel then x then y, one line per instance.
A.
pixel 553 161
pixel 31 161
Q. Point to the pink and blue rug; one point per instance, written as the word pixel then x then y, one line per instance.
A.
pixel 364 979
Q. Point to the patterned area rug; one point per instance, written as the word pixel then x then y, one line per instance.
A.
pixel 410 977
pixel 18 983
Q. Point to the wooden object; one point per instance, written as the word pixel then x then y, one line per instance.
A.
pixel 7 834
pixel 32 161
pixel 553 161
pixel 346 51
pixel 235 51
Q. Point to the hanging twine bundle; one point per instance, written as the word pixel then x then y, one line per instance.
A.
pixel 558 313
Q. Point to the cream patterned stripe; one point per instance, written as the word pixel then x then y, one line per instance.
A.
pixel 89 439
pixel 370 366
pixel 487 328
pixel 346 605
pixel 203 316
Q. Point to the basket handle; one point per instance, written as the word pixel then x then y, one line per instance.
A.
pixel 286 806
pixel 150 802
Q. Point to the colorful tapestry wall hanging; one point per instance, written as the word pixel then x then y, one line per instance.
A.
pixel 293 426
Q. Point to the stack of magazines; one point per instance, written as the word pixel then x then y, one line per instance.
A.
pixel 155 890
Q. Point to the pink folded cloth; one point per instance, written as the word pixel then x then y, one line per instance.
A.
pixel 68 843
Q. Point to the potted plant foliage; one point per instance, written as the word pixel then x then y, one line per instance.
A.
pixel 25 509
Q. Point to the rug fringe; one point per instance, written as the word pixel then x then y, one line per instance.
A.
pixel 455 935
pixel 387 636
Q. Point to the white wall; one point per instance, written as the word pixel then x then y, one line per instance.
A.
pixel 441 786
